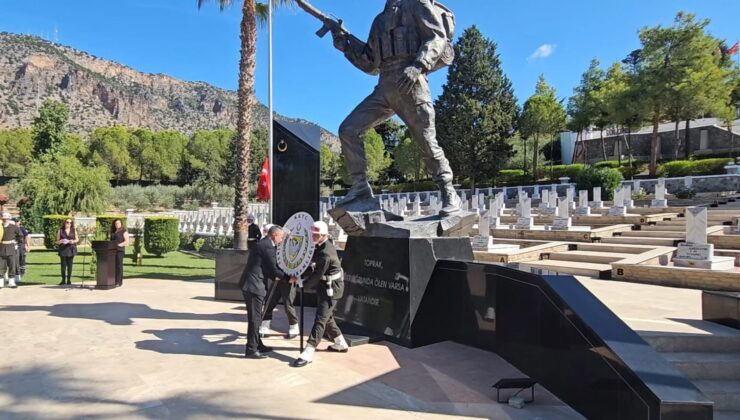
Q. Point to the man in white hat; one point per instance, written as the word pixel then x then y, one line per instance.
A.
pixel 10 236
pixel 325 275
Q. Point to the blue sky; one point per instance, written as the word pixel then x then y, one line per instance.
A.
pixel 557 38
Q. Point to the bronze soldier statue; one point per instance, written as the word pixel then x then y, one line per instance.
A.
pixel 408 40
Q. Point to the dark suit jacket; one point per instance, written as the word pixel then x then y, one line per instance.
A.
pixel 261 266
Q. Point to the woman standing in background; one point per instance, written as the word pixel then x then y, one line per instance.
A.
pixel 67 241
pixel 120 236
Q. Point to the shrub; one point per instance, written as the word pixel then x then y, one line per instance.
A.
pixel 607 178
pixel 51 225
pixel 559 171
pixel 684 193
pixel 212 243
pixel 511 176
pixel 33 218
pixel 410 187
pixel 679 168
pixel 628 172
pixel 103 223
pixel 198 244
pixel 161 235
pixel 640 194
pixel 607 164
pixel 186 240
pixel 711 166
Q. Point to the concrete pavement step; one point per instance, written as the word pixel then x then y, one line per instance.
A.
pixel 703 343
pixel 725 394
pixel 589 256
pixel 618 248
pixel 715 366
pixel 663 228
pixel 726 415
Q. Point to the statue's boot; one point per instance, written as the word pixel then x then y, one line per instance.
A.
pixel 451 203
pixel 360 191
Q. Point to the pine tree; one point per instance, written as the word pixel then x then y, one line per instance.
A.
pixel 477 111
pixel 542 118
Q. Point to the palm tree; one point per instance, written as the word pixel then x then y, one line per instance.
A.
pixel 252 13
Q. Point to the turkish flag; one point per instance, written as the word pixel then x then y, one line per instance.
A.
pixel 734 49
pixel 263 187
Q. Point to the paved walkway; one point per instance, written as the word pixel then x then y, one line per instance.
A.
pixel 165 349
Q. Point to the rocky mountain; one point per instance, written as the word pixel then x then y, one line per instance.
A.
pixel 103 93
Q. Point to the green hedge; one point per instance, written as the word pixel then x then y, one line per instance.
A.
pixel 607 164
pixel 161 235
pixel 608 179
pixel 512 176
pixel 51 225
pixel 411 187
pixel 560 171
pixel 678 168
pixel 103 223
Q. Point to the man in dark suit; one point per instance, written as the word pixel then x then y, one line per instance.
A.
pixel 261 266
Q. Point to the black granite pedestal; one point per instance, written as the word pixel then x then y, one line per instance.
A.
pixel 230 265
pixel 385 281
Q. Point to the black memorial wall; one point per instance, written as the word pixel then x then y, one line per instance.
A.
pixel 295 172
pixel 554 330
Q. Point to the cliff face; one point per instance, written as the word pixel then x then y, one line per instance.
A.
pixel 103 93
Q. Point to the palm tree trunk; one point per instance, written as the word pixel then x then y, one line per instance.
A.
pixel 654 142
pixel 247 64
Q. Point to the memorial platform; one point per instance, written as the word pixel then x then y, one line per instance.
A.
pixel 165 349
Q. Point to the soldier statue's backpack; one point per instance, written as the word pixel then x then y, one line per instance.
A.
pixel 448 20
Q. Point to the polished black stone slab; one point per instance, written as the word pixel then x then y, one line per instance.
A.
pixel 721 307
pixel 386 278
pixel 295 170
pixel 230 265
pixel 556 332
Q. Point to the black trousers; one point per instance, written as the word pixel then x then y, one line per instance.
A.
pixel 287 291
pixel 21 268
pixel 67 267
pixel 7 262
pixel 324 325
pixel 254 319
pixel 119 267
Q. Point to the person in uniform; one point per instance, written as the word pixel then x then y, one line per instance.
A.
pixel 253 232
pixel 407 41
pixel 11 237
pixel 23 247
pixel 261 266
pixel 325 275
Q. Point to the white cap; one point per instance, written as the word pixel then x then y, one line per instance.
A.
pixel 250 217
pixel 6 215
pixel 320 228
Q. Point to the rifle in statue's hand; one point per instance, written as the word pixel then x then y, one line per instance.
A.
pixel 336 26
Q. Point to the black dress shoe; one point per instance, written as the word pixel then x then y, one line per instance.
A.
pixel 300 362
pixel 264 349
pixel 63 282
pixel 255 355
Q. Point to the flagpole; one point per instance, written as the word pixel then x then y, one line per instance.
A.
pixel 269 103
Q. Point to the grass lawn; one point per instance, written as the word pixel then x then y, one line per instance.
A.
pixel 42 267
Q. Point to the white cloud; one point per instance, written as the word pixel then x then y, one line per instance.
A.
pixel 543 51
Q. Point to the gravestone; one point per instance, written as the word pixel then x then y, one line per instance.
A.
pixel 483 240
pixel 583 208
pixel 696 252
pixel 597 203
pixel 525 219
pixel 552 205
pixel 536 194
pixel 627 197
pixel 660 191
pixel 618 208
pixel 545 202
pixel 563 221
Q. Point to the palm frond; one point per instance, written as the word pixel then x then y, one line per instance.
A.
pixel 262 12
pixel 222 4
